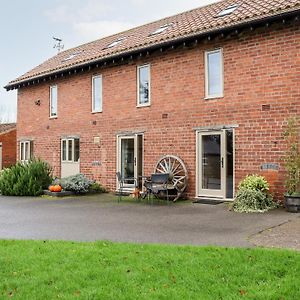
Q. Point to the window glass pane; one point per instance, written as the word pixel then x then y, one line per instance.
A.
pixel 70 150
pixel 64 150
pixel 97 93
pixel 53 101
pixel 76 150
pixel 144 82
pixel 22 151
pixel 27 150
pixel 214 72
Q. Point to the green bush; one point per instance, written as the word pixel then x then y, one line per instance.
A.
pixel 26 179
pixel 79 184
pixel 248 200
pixel 255 183
pixel 253 195
pixel 97 188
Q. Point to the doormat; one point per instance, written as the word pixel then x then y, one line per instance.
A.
pixel 208 201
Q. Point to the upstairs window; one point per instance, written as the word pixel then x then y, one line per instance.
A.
pixel 53 101
pixel 143 78
pixel 214 78
pixel 97 93
pixel 26 151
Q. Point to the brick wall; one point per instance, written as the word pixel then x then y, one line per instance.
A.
pixel 261 69
pixel 9 145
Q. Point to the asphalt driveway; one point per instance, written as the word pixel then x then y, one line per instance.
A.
pixel 100 217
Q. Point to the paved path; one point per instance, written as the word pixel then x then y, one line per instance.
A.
pixel 100 217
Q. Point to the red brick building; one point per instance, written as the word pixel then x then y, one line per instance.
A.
pixel 8 145
pixel 213 86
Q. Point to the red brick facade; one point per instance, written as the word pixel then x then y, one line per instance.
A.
pixel 9 147
pixel 261 90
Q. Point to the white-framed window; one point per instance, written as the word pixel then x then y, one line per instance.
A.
pixel 143 85
pixel 53 101
pixel 26 151
pixel 97 93
pixel 70 150
pixel 214 74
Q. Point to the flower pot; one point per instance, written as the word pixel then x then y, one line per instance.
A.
pixel 292 203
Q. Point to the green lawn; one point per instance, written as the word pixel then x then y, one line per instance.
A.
pixel 104 270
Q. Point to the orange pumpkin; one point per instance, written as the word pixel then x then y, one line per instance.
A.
pixel 51 188
pixel 57 188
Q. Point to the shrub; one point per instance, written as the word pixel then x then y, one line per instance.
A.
pixel 248 200
pixel 292 157
pixel 253 195
pixel 97 188
pixel 255 183
pixel 26 179
pixel 78 184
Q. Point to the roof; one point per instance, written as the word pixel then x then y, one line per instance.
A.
pixel 192 23
pixel 7 127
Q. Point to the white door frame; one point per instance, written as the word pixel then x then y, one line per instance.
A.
pixel 210 192
pixel 119 153
pixel 69 167
pixel 199 191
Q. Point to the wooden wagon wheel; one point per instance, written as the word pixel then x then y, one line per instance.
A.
pixel 178 173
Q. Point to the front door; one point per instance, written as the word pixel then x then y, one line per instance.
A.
pixel 130 159
pixel 215 164
pixel 70 157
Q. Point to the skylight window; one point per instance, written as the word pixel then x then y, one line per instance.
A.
pixel 115 43
pixel 227 11
pixel 71 56
pixel 161 29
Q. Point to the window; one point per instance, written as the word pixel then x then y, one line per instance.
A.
pixel 26 151
pixel 214 81
pixel 227 11
pixel 71 56
pixel 115 43
pixel 53 101
pixel 161 29
pixel 97 94
pixel 143 78
pixel 70 150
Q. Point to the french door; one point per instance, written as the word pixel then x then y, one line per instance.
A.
pixel 215 164
pixel 130 159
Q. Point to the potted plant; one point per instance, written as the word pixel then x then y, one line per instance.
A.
pixel 292 166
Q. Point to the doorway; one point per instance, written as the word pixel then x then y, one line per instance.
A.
pixel 70 157
pixel 130 155
pixel 215 155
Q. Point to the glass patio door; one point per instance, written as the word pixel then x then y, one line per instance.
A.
pixel 211 164
pixel 130 158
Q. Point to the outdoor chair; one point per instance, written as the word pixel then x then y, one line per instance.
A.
pixel 157 186
pixel 122 181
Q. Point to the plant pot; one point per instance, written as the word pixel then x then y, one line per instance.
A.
pixel 292 203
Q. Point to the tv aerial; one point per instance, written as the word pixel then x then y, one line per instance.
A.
pixel 58 44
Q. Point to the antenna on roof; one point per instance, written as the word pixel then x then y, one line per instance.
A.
pixel 58 45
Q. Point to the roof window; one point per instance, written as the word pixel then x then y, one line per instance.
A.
pixel 115 43
pixel 71 56
pixel 227 11
pixel 161 29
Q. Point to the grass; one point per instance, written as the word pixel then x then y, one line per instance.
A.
pixel 104 270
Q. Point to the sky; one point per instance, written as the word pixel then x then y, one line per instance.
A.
pixel 27 29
